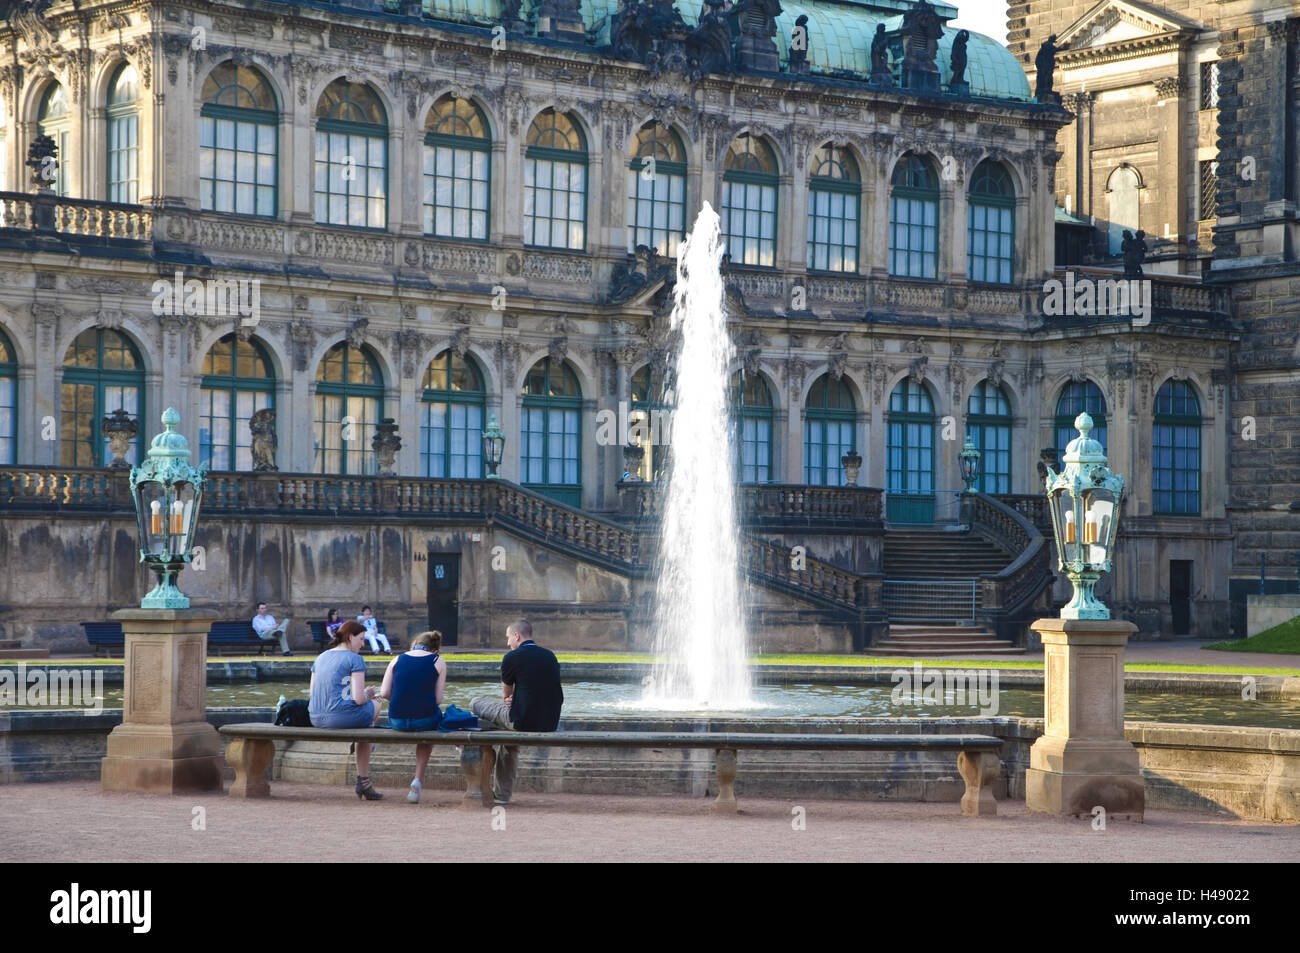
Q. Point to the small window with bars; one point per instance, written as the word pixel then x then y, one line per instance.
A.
pixel 1210 85
pixel 1209 188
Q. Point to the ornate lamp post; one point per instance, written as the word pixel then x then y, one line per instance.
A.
pixel 167 491
pixel 1083 501
pixel 494 442
pixel 970 464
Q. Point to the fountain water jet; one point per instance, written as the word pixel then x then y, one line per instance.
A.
pixel 699 621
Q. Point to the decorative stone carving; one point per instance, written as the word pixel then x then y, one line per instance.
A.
pixel 43 160
pixel 409 344
pixel 508 358
pixel 754 25
pixel 994 375
pixel 120 429
pixel 916 368
pixel 460 342
pixel 641 270
pixel 357 332
pixel 852 464
pixel 921 31
pixel 558 349
pixel 752 360
pixel 386 443
pixel 459 315
pixel 264 443
pixel 303 338
pixel 795 369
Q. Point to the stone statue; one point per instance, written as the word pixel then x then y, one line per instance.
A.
pixel 510 17
pixel 754 22
pixel 43 160
pixel 120 428
pixel 641 269
pixel 1134 249
pixel 708 47
pixel 881 75
pixel 921 31
pixel 958 82
pixel 262 426
pixel 386 443
pixel 1046 63
pixel 798 61
pixel 1046 459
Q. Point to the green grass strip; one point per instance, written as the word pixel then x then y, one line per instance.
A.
pixel 1283 638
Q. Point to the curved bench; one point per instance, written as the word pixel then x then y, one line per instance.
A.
pixel 252 747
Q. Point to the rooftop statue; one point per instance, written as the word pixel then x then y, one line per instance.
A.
pixel 921 32
pixel 798 61
pixel 881 74
pixel 1045 61
pixel 709 47
pixel 958 82
pixel 1134 249
pixel 755 22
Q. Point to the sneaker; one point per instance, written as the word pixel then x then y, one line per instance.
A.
pixel 414 796
pixel 498 799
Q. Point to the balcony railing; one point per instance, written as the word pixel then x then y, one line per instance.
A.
pixel 773 505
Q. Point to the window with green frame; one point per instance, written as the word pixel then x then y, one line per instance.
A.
pixel 650 420
pixel 102 372
pixel 914 219
pixel 988 422
pixel 8 402
pixel 238 142
pixel 991 231
pixel 1076 398
pixel 52 120
pixel 451 419
pixel 656 190
pixel 749 202
pixel 555 183
pixel 1176 451
pixel 457 170
pixel 351 157
pixel 349 405
pixel 829 422
pixel 551 436
pixel 751 417
pixel 909 453
pixel 238 381
pixel 834 196
pixel 124 136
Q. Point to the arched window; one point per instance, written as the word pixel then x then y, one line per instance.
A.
pixel 555 183
pixel 834 191
pixel 1122 195
pixel 53 121
pixel 1076 398
pixel 8 403
pixel 351 157
pixel 827 431
pixel 349 405
pixel 237 382
pixel 650 420
pixel 238 136
pixel 749 202
pixel 552 438
pixel 1176 445
pixel 988 421
pixel 910 454
pixel 457 176
pixel 124 136
pixel 991 228
pixel 751 412
pixel 451 419
pixel 656 190
pixel 914 219
pixel 102 372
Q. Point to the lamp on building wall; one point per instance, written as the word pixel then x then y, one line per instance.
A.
pixel 494 442
pixel 1084 500
pixel 970 464
pixel 167 491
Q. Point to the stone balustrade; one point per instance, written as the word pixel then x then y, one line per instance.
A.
pixel 1007 594
pixel 774 505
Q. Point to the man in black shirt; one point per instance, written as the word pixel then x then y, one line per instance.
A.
pixel 531 700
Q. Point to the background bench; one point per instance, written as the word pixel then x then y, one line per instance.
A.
pixel 252 747
pixel 237 635
pixel 105 637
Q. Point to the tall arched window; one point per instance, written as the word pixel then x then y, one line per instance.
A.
pixel 988 421
pixel 237 382
pixel 457 170
pixel 991 225
pixel 834 192
pixel 914 219
pixel 1176 445
pixel 910 454
pixel 1122 196
pixel 53 121
pixel 650 420
pixel 749 202
pixel 555 183
pixel 349 405
pixel 827 431
pixel 552 438
pixel 451 419
pixel 656 190
pixel 1077 397
pixel 238 142
pixel 102 372
pixel 8 403
pixel 124 136
pixel 351 157
pixel 751 411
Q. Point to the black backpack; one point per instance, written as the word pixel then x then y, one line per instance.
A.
pixel 294 714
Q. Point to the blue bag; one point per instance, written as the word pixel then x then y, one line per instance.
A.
pixel 458 719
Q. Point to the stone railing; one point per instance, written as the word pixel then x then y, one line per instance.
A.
pixel 1007 595
pixel 82 217
pixel 773 505
pixel 1173 299
pixel 816 581
pixel 1032 506
pixel 57 487
pixel 564 527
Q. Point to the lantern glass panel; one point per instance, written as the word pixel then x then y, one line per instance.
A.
pixel 153 517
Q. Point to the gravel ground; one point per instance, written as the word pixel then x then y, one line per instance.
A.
pixel 75 821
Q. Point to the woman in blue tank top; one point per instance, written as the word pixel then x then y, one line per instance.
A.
pixel 413 684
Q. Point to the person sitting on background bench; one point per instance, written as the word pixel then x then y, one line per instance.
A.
pixel 332 622
pixel 266 627
pixel 371 624
pixel 340 698
pixel 414 684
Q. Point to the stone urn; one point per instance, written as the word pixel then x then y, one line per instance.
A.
pixel 386 443
pixel 852 463
pixel 120 429
pixel 632 457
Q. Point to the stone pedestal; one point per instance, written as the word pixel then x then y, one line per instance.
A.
pixel 164 744
pixel 1082 760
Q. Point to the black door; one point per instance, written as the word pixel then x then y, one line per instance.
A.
pixel 444 595
pixel 1180 595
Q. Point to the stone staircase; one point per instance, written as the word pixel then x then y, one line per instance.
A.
pixel 919 554
pixel 937 640
pixel 9 649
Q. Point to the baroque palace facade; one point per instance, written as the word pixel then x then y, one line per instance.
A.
pixel 435 215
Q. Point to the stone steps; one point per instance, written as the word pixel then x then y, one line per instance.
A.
pixel 930 641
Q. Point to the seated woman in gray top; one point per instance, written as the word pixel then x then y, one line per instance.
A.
pixel 338 679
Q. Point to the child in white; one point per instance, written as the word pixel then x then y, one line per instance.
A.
pixel 373 635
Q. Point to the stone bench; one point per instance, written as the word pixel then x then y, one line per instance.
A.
pixel 252 747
